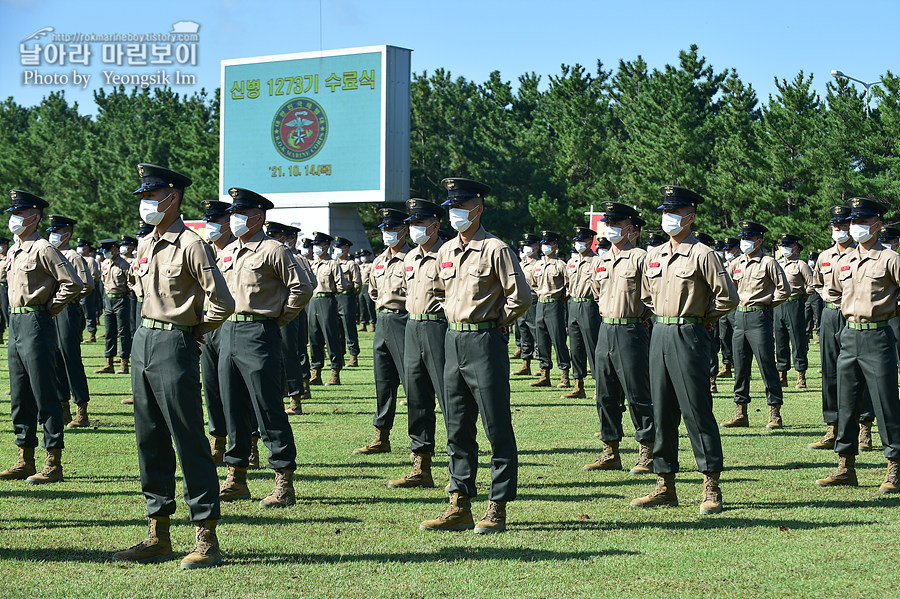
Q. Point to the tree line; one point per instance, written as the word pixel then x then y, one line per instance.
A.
pixel 550 149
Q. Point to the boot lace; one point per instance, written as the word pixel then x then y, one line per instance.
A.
pixel 203 540
pixel 493 512
pixel 644 455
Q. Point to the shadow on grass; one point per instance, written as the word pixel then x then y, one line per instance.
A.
pixel 31 492
pixel 697 523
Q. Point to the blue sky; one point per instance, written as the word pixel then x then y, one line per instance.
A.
pixel 761 39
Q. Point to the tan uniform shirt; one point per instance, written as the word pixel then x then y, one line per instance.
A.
pixel 304 269
pixel 3 266
pixel 365 269
pixel 619 283
pixel 116 276
pixel 581 273
pixel 689 281
pixel 528 270
pixel 481 281
pixel 869 284
pixel 550 276
pixel 799 276
pixel 81 268
pixel 178 272
pixel 825 275
pixel 422 270
pixel 760 280
pixel 39 275
pixel 329 276
pixel 386 282
pixel 263 278
pixel 352 275
pixel 94 266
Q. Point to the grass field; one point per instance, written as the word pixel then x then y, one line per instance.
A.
pixel 571 532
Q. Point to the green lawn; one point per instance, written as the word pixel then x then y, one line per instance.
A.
pixel 571 533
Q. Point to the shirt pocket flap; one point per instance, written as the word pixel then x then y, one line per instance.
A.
pixel 686 272
pixel 170 270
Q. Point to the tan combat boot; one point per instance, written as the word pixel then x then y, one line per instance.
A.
pixel 128 401
pixel 316 377
pixel 92 337
pixel 67 412
pixel 645 460
pixel 725 373
pixel 865 435
pixel 494 519
pixel 362 328
pixel 253 461
pixel 608 460
pixel 52 471
pixel 891 482
pixel 108 369
pixel 712 494
pixel 801 379
pixel 24 466
pixel 296 407
pixel 782 376
pixel 740 417
pixel 456 517
pixel 420 476
pixel 352 361
pixel 81 417
pixel 775 420
pixel 713 387
pixel 663 494
pixel 373 327
pixel 845 475
pixel 544 381
pixel 525 369
pixel 516 354
pixel 217 447
pixel 335 377
pixel 307 392
pixel 123 366
pixel 577 390
pixel 381 443
pixel 826 442
pixel 283 493
pixel 235 485
pixel 155 548
pixel 206 552
pixel 564 382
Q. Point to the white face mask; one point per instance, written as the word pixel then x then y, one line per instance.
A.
pixel 304 251
pixel 729 256
pixel 861 233
pixel 17 224
pixel 528 250
pixel 546 249
pixel 390 238
pixel 419 235
pixel 363 259
pixel 671 223
pixel 238 224
pixel 811 263
pixel 318 250
pixel 123 249
pixel 108 254
pixel 614 234
pixel 214 231
pixel 602 251
pixel 840 236
pixel 747 246
pixel 459 219
pixel 786 252
pixel 720 254
pixel 56 239
pixel 79 250
pixel 580 247
pixel 150 213
pixel 336 253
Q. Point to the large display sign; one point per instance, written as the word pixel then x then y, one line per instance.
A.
pixel 317 128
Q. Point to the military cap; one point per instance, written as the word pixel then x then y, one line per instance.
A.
pixel 419 208
pixel 214 209
pixel 156 177
pixel 365 252
pixel 22 200
pixel 604 244
pixel 549 237
pixel 319 238
pixel 731 242
pixel 751 229
pixel 656 239
pixel 705 239
pixel 678 197
pixel 108 243
pixel 888 233
pixel 143 230
pixel 339 241
pixel 83 243
pixel 840 214
pixel 616 211
pixel 638 222
pixel 459 190
pixel 786 239
pixel 273 228
pixel 531 239
pixel 866 208
pixel 583 234
pixel 813 256
pixel 244 199
pixel 58 222
pixel 307 242
pixel 719 246
pixel 391 218
pixel 128 240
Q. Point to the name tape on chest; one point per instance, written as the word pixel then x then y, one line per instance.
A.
pixel 601 269
pixel 379 267
pixel 446 265
pixel 843 268
pixel 826 264
pixel 409 269
pixel 654 265
pixel 226 259
pixel 737 271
